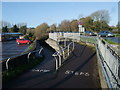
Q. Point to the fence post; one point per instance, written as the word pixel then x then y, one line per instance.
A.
pixel 29 56
pixel 63 54
pixel 65 43
pixel 60 61
pixel 40 50
pixel 73 45
pixel 7 63
pixel 68 50
pixel 56 62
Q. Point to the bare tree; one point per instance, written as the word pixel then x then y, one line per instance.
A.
pixel 65 26
pixel 5 23
pixel 101 15
pixel 40 31
pixel 19 25
pixel 53 27
pixel 74 25
pixel 119 17
pixel 80 16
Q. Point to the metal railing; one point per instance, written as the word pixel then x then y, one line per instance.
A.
pixel 39 51
pixel 62 55
pixel 110 63
pixel 107 56
pixel 26 56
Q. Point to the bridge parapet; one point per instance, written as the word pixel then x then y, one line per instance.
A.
pixel 110 61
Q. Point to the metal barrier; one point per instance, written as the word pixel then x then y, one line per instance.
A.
pixel 27 55
pixel 39 51
pixel 61 55
pixel 110 63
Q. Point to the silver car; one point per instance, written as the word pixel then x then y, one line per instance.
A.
pixel 105 34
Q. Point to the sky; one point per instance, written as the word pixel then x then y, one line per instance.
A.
pixel 36 13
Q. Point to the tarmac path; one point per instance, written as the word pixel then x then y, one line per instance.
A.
pixel 79 71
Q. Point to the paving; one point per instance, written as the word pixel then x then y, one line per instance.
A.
pixel 79 71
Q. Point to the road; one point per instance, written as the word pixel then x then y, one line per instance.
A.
pixel 11 49
pixel 79 71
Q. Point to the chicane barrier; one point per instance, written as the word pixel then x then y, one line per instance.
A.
pixel 14 62
pixel 62 54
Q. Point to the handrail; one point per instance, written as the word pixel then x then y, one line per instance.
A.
pixel 60 51
pixel 40 50
pixel 102 66
pixel 109 47
pixel 112 77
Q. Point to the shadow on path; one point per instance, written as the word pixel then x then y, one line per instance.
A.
pixel 82 59
pixel 78 68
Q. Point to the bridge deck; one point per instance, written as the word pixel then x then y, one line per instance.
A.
pixel 80 71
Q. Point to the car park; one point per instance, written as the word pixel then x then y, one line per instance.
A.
pixel 23 41
pixel 105 34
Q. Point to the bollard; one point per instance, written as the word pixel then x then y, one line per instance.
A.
pixel 7 63
pixel 40 50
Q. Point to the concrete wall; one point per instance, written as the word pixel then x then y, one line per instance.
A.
pixel 56 35
pixel 53 44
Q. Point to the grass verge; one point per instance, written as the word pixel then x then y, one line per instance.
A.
pixel 89 45
pixel 118 35
pixel 30 48
pixel 111 42
pixel 89 40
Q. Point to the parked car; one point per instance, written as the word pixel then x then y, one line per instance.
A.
pixel 105 34
pixel 90 33
pixel 23 41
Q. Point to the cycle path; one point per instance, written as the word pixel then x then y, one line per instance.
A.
pixel 79 71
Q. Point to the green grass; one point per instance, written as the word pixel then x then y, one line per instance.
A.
pixel 88 40
pixel 118 35
pixel 93 40
pixel 30 48
pixel 111 42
